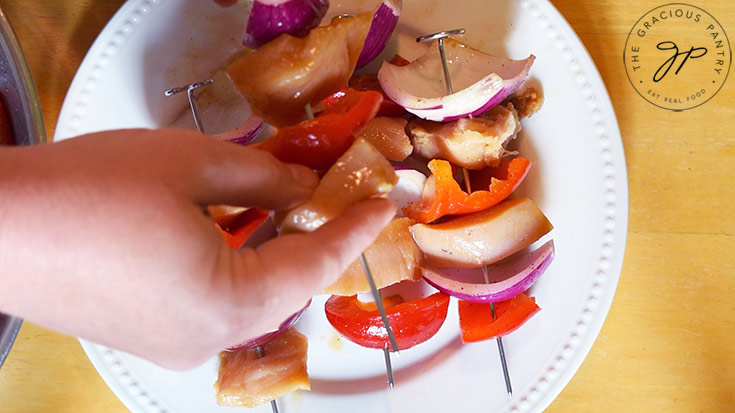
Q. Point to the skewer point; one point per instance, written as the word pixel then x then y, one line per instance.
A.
pixel 388 367
pixel 274 404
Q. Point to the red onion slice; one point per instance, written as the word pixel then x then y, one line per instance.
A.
pixel 245 133
pixel 267 337
pixel 480 81
pixel 271 18
pixel 516 276
pixel 408 189
pixel 384 21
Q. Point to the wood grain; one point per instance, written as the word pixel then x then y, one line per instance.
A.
pixel 46 371
pixel 667 344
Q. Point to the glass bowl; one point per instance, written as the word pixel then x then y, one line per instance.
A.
pixel 18 94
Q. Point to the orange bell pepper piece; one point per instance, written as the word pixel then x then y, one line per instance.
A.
pixel 443 196
pixel 476 320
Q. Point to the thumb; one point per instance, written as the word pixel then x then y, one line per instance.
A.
pixel 318 258
pixel 295 267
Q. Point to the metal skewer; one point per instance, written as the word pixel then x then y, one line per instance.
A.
pixel 439 37
pixel 190 88
pixel 376 296
pixel 381 309
pixel 499 340
pixel 274 404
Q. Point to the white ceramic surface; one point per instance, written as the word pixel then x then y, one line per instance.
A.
pixel 578 179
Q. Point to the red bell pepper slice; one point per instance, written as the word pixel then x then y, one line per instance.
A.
pixel 317 143
pixel 476 320
pixel 238 231
pixel 412 322
pixel 331 100
pixel 443 196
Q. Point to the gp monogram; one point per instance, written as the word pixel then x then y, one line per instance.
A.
pixel 677 56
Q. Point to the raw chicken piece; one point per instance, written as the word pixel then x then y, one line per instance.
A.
pixel 393 257
pixel 527 102
pixel 247 380
pixel 288 72
pixel 388 135
pixel 471 143
pixel 484 237
pixel 360 173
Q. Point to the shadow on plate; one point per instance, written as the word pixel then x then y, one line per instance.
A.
pixel 377 383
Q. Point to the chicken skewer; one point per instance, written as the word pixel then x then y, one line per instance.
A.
pixel 499 340
pixel 377 297
pixel 373 288
pixel 439 37
pixel 189 89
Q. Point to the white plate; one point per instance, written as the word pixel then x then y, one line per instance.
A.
pixel 579 180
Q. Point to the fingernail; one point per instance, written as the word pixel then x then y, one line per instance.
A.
pixel 304 176
pixel 389 205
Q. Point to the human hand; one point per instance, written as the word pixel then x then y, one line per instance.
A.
pixel 105 237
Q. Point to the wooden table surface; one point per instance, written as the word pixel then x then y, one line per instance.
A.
pixel 669 341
